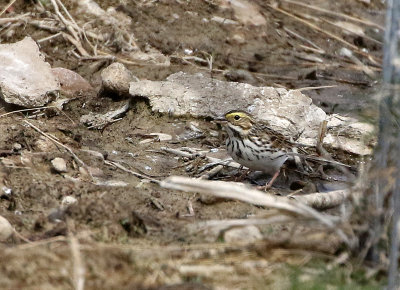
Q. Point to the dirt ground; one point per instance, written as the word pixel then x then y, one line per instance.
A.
pixel 138 236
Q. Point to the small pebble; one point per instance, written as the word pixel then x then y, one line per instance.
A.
pixel 6 190
pixel 59 165
pixel 68 200
pixel 214 133
pixel 17 147
pixel 239 39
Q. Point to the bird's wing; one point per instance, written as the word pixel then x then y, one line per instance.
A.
pixel 278 140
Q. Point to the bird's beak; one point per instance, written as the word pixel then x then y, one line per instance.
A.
pixel 220 120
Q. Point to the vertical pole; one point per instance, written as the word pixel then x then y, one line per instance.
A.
pixel 388 154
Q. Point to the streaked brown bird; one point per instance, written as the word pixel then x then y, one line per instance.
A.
pixel 253 144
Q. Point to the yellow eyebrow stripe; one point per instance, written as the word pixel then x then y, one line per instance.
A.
pixel 241 114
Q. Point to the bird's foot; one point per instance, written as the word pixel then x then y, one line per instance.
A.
pixel 269 184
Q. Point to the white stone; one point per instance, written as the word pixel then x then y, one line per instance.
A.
pixel 25 78
pixel 159 137
pixel 68 200
pixel 224 20
pixel 243 234
pixel 245 11
pixel 59 165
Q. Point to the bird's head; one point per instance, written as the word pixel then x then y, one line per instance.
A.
pixel 238 122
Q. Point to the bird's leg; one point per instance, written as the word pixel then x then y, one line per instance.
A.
pixel 269 184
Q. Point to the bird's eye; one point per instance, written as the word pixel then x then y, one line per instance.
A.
pixel 237 117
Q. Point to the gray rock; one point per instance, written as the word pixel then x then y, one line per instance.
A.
pixel 59 165
pixel 287 111
pixel 25 78
pixel 243 234
pixel 116 78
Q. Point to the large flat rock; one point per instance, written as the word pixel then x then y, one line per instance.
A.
pixel 287 111
pixel 25 78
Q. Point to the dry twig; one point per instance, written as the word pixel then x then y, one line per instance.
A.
pixel 44 39
pixel 78 268
pixel 141 176
pixel 77 159
pixel 330 34
pixel 317 48
pixel 180 153
pixel 26 110
pixel 20 18
pixel 234 191
pixel 210 174
pixel 345 52
pixel 352 31
pixel 214 161
pixel 71 26
pixel 324 200
pixel 315 88
pixel 226 224
pixel 7 6
pixel 45 25
pixel 76 43
pixel 330 12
